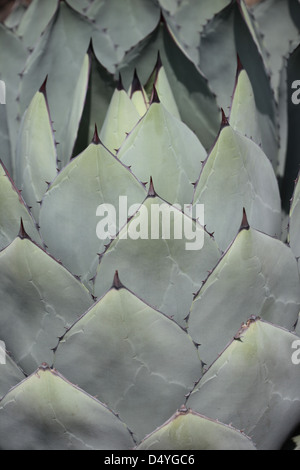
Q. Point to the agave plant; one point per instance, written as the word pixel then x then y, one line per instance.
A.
pixel 139 339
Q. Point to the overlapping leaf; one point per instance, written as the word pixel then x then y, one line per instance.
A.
pixel 138 95
pixel 165 271
pixel 60 54
pixel 123 351
pixel 12 210
pixel 10 373
pixel 159 80
pixel 254 385
pixel 190 431
pixel 35 20
pixel 228 30
pixel 186 21
pixel 163 147
pixel 46 412
pixel 265 15
pixel 10 73
pixel 257 276
pixel 93 178
pixel 121 117
pixel 36 153
pixel 100 92
pixel 15 16
pixel 115 34
pixel 34 311
pixel 243 114
pixel 238 174
pixel 195 100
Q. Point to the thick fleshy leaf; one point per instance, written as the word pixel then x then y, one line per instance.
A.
pixel 163 147
pixel 121 117
pixel 35 20
pixel 257 276
pixel 4 139
pixel 186 21
pixel 10 373
pixel 164 272
pixel 238 174
pixel 254 385
pixel 10 73
pixel 100 91
pixel 46 412
pixel 138 95
pixel 15 16
pixel 75 110
pixel 123 351
pixel 249 50
pixel 243 114
pixel 39 298
pixel 265 15
pixel 229 31
pixel 187 430
pixel 60 54
pixel 36 153
pixel 93 178
pixel 12 210
pixel 245 9
pixel 160 81
pixel 81 6
pixel 195 100
pixel 115 34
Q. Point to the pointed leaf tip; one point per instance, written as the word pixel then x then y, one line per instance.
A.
pixel 225 122
pixel 151 192
pixel 117 284
pixel 136 84
pixel 245 224
pixel 120 86
pixel 96 139
pixel 22 233
pixel 239 65
pixel 43 87
pixel 44 366
pixel 158 64
pixel 154 97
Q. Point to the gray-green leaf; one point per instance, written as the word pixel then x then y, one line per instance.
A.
pixel 254 385
pixel 124 351
pixel 187 430
pixel 163 147
pixel 36 153
pixel 39 298
pixel 93 178
pixel 237 175
pixel 12 210
pixel 46 412
pixel 257 276
pixel 164 272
